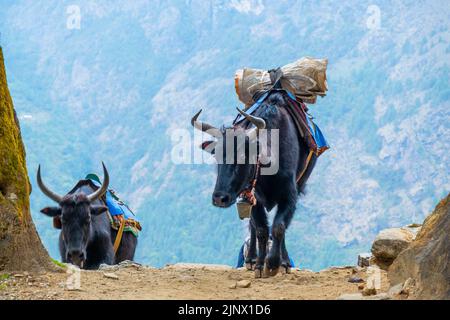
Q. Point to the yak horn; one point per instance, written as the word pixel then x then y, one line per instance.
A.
pixel 258 122
pixel 101 191
pixel 55 197
pixel 202 126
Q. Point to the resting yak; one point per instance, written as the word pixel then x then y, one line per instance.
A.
pixel 86 237
pixel 281 189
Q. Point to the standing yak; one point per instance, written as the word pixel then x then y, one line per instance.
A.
pixel 281 189
pixel 86 237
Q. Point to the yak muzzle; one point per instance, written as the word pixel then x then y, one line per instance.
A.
pixel 76 257
pixel 222 199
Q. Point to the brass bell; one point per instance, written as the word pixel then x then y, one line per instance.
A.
pixel 244 207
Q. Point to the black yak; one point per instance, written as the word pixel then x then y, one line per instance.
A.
pixel 281 189
pixel 86 237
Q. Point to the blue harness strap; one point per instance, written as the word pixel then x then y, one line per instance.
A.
pixel 252 108
pixel 115 205
pixel 318 137
pixel 316 133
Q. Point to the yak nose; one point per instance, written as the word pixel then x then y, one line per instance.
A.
pixel 221 199
pixel 76 257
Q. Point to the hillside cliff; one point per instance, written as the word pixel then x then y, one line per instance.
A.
pixel 426 261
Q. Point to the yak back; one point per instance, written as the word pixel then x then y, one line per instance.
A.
pixel 87 187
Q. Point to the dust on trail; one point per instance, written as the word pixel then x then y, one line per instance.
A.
pixel 184 281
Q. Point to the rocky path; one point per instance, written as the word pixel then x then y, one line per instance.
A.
pixel 185 281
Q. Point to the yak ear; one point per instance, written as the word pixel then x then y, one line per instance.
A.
pixel 98 209
pixel 51 211
pixel 209 146
pixel 57 222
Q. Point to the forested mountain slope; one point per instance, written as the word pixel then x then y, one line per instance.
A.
pixel 115 88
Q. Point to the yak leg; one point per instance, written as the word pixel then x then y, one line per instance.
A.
pixel 259 217
pixel 281 221
pixel 250 259
pixel 285 260
pixel 99 252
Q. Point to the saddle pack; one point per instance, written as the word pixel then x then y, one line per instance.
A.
pixel 297 109
pixel 120 214
pixel 306 128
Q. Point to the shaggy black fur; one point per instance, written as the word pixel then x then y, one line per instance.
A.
pixel 86 237
pixel 280 189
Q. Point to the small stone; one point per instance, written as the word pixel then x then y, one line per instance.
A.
pixel 111 275
pixel 243 284
pixel 108 267
pixel 232 286
pixel 355 279
pixel 361 287
pixel 396 290
pixel 369 292
pixel 408 286
pixel 350 296
pixel 71 288
pixel 380 296
pixel 129 263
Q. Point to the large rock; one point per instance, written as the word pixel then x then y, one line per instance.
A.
pixel 390 242
pixel 425 263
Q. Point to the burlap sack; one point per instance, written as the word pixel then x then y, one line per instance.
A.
pixel 305 78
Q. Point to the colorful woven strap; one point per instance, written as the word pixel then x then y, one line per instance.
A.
pixel 119 234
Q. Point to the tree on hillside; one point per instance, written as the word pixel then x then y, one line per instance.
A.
pixel 20 246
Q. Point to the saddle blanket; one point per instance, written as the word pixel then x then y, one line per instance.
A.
pixel 117 209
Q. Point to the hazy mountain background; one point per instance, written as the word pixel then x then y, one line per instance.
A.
pixel 134 71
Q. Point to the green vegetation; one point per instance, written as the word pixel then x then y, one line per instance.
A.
pixel 59 264
pixel 4 276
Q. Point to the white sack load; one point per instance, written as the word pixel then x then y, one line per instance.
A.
pixel 305 78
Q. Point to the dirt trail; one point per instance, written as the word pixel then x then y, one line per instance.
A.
pixel 184 281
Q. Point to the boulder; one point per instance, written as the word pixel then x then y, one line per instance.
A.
pixel 390 242
pixel 423 267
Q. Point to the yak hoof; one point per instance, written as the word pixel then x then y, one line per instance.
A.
pixel 269 272
pixel 258 273
pixel 250 266
pixel 285 269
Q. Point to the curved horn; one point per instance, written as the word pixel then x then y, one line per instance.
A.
pixel 201 125
pixel 100 192
pixel 258 122
pixel 55 197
